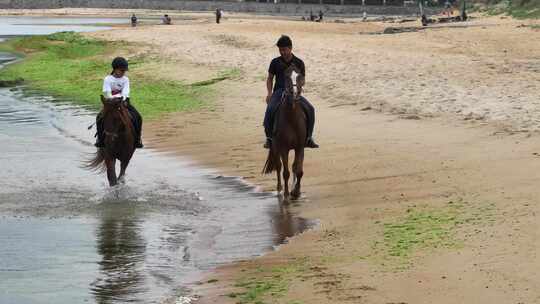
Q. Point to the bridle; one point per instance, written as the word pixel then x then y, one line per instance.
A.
pixel 117 106
pixel 291 88
pixel 114 135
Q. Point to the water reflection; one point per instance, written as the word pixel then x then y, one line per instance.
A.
pixel 140 243
pixel 74 245
pixel 122 249
pixel 286 223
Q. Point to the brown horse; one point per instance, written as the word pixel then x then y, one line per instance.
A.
pixel 119 140
pixel 290 133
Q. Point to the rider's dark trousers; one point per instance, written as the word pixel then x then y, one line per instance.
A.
pixel 272 107
pixel 137 120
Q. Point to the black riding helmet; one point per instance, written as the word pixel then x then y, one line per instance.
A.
pixel 284 41
pixel 120 63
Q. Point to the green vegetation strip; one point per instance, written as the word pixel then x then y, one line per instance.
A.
pixel 70 65
pixel 520 9
pixel 428 228
pixel 268 284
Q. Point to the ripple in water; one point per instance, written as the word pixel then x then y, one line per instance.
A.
pixel 68 238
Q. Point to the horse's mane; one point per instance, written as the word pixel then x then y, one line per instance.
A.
pixel 117 105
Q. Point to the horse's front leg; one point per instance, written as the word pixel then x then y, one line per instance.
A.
pixel 111 172
pixel 286 173
pixel 298 170
pixel 123 167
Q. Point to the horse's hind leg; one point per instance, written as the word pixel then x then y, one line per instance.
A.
pixel 286 173
pixel 111 172
pixel 298 170
pixel 278 172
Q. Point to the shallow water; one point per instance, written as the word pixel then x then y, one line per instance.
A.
pixel 68 238
pixel 16 26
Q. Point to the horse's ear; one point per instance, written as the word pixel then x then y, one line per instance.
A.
pixel 103 100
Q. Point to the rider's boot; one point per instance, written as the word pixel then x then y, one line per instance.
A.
pixel 100 138
pixel 310 143
pixel 138 143
pixel 100 143
pixel 268 143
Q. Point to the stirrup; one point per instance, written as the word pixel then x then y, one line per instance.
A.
pixel 310 143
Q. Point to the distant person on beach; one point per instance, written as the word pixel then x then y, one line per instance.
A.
pixel 166 19
pixel 321 15
pixel 116 85
pixel 448 8
pixel 311 16
pixel 133 20
pixel 218 15
pixel 277 69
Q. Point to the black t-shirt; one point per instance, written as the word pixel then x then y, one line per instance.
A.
pixel 278 67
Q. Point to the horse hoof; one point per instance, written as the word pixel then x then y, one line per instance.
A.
pixel 295 195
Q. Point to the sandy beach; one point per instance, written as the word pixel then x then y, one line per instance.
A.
pixel 407 121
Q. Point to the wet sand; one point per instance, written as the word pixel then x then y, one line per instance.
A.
pixel 403 120
pixel 69 238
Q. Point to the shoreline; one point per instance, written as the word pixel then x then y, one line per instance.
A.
pixel 383 156
pixel 201 273
pixel 158 188
pixel 245 187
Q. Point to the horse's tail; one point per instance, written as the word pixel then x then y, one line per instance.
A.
pixel 270 164
pixel 97 162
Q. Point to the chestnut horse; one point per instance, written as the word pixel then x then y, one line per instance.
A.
pixel 119 140
pixel 290 132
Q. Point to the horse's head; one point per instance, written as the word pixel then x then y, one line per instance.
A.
pixel 294 81
pixel 115 118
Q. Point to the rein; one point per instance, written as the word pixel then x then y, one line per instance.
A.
pixel 112 134
pixel 290 85
pixel 117 107
pixel 287 92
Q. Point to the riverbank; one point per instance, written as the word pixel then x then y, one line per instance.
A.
pixel 71 66
pixel 426 182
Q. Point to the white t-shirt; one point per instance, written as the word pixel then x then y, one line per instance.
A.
pixel 116 87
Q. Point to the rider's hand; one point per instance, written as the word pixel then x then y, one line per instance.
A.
pixel 268 98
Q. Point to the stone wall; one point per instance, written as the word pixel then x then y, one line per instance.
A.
pixel 250 7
